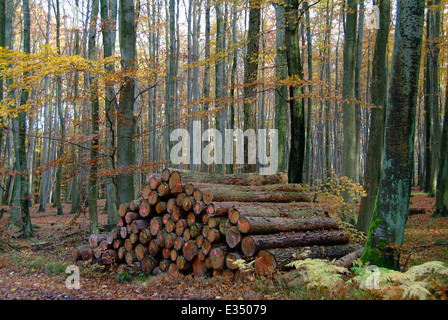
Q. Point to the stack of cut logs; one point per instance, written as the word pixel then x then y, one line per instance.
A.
pixel 203 223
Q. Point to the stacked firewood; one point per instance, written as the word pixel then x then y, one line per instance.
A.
pixel 206 224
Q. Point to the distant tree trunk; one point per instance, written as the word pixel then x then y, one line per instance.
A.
pixel 220 93
pixel 250 75
pixel 392 205
pixel 349 111
pixel 306 165
pixel 25 217
pixel 170 79
pixel 281 94
pixel 358 115
pixel 431 100
pixel 378 114
pixel 13 139
pixel 76 198
pixel 125 117
pixel 233 76
pixel 94 102
pixel 296 105
pixel 58 190
pixel 108 28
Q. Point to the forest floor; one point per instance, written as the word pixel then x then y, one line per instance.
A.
pixel 35 269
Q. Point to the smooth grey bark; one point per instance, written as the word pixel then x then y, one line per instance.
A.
pixel 108 28
pixel 392 205
pixel 125 116
pixel 281 93
pixel 170 79
pixel 349 164
pixel 220 93
pixel 94 105
pixel 377 121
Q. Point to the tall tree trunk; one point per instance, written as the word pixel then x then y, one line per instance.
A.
pixel 108 29
pixel 392 205
pixel 296 104
pixel 220 93
pixel 306 165
pixel 378 114
pixel 76 199
pixel 349 111
pixel 281 94
pixel 13 155
pixel 58 190
pixel 171 79
pixel 432 95
pixel 250 75
pixel 125 117
pixel 94 103
pixel 22 168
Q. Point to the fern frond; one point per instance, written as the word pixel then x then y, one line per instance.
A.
pixel 243 265
pixel 428 267
pixel 416 289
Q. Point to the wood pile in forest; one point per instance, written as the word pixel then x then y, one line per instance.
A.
pixel 203 223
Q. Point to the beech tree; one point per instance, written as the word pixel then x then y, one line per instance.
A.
pixel 392 205
pixel 125 116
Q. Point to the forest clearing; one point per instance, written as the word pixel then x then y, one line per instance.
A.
pixel 166 149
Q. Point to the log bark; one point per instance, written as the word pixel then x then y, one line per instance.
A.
pixel 259 225
pixel 347 260
pixel 139 224
pixel 252 244
pixel 228 194
pixel 268 261
pixel 285 210
pixel 243 179
pixel 82 253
